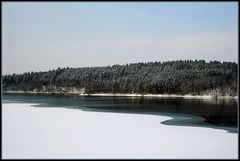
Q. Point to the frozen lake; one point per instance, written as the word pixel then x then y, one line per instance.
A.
pixel 34 132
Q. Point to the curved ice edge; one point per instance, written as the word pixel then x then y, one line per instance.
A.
pixel 176 119
pixel 194 121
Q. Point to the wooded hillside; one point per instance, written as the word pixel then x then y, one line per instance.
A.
pixel 172 77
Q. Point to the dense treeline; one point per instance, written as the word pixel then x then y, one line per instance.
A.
pixel 172 77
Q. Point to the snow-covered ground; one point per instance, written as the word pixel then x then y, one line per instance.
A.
pixel 79 93
pixel 31 132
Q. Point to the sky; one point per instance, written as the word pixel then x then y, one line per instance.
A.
pixel 41 36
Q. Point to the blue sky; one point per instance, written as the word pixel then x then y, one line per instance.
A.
pixel 41 36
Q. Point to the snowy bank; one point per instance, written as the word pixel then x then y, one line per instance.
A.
pixel 30 132
pixel 188 96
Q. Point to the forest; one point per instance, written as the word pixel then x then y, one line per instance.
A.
pixel 171 77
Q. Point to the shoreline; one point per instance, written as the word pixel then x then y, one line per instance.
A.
pixel 188 96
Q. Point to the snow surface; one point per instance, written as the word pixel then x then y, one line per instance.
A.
pixel 31 132
pixel 81 93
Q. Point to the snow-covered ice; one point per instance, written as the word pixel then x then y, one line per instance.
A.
pixel 31 132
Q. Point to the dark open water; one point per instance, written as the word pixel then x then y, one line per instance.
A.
pixel 212 113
